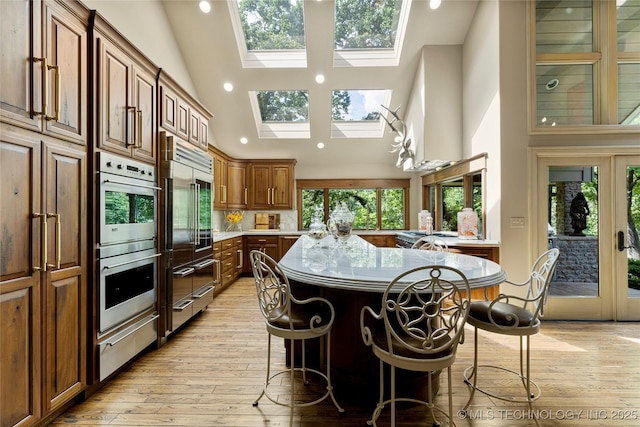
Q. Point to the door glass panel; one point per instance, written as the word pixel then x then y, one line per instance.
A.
pixel 629 94
pixel 564 26
pixel 573 226
pixel 204 214
pixel 633 230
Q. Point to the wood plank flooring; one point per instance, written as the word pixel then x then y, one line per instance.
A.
pixel 210 373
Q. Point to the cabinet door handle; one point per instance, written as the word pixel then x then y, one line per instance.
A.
pixel 58 256
pixel 56 101
pixel 139 127
pixel 246 195
pixel 43 80
pixel 43 241
pixel 133 133
pixel 240 259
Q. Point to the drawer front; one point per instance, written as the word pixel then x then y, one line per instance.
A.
pixel 227 253
pixel 227 244
pixel 262 240
pixel 237 242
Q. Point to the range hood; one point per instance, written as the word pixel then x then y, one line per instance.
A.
pixel 434 114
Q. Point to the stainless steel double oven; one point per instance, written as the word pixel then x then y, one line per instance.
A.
pixel 127 260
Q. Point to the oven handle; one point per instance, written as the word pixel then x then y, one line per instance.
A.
pixel 112 343
pixel 150 187
pixel 106 267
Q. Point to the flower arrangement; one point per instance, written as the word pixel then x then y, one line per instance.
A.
pixel 233 218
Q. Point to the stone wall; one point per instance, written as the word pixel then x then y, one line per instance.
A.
pixel 578 258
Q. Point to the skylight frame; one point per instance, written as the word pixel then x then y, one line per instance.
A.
pixel 380 57
pixel 285 58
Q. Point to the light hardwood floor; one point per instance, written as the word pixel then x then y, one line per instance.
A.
pixel 210 373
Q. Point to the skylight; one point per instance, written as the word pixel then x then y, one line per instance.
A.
pixel 356 113
pixel 281 114
pixel 269 33
pixel 366 35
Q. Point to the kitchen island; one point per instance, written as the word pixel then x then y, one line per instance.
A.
pixel 354 275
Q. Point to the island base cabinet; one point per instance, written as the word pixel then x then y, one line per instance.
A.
pixel 355 373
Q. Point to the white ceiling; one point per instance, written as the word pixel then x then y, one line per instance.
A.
pixel 211 54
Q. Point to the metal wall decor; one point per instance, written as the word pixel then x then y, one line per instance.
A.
pixel 402 144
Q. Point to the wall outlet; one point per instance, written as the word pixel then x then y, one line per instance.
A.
pixel 517 222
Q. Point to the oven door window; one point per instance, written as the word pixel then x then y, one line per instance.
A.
pixel 128 208
pixel 127 285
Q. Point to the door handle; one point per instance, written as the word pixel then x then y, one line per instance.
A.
pixel 621 246
pixel 43 241
pixel 58 256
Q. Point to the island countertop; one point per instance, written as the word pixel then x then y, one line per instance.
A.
pixel 359 265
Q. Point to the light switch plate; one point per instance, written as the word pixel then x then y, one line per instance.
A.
pixel 517 222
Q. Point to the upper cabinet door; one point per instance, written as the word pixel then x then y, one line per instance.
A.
pixel 144 94
pixel 20 33
pixel 65 39
pixel 48 91
pixel 126 98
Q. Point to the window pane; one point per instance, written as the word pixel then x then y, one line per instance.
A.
pixel 284 106
pixel 272 25
pixel 628 15
pixel 311 198
pixel 564 95
pixel 452 203
pixel 362 202
pixel 392 209
pixel 564 26
pixel 357 104
pixel 573 205
pixel 629 94
pixel 476 183
pixel 362 24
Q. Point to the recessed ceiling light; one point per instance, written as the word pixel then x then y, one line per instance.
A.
pixel 228 87
pixel 320 145
pixel 434 4
pixel 205 7
pixel 319 78
pixel 243 140
pixel 552 84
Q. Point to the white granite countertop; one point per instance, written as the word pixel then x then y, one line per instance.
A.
pixel 361 266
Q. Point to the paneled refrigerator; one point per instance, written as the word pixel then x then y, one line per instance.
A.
pixel 190 271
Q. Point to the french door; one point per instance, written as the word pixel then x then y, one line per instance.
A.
pixel 582 203
pixel 627 245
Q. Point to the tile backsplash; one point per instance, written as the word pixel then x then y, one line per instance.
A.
pixel 288 220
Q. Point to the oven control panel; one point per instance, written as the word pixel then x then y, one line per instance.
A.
pixel 124 166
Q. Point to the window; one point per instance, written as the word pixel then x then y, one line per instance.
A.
pixel 448 190
pixel 587 65
pixel 377 204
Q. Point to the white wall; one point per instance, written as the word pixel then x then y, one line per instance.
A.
pixel 145 24
pixel 481 105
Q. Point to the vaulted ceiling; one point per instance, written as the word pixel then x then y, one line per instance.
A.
pixel 209 48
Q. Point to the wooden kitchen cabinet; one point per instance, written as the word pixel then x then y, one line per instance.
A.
pixel 181 114
pixel 125 82
pixel 237 194
pixel 380 240
pixel 271 184
pixel 43 276
pixel 264 243
pixel 219 181
pixel 285 243
pixel 44 64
